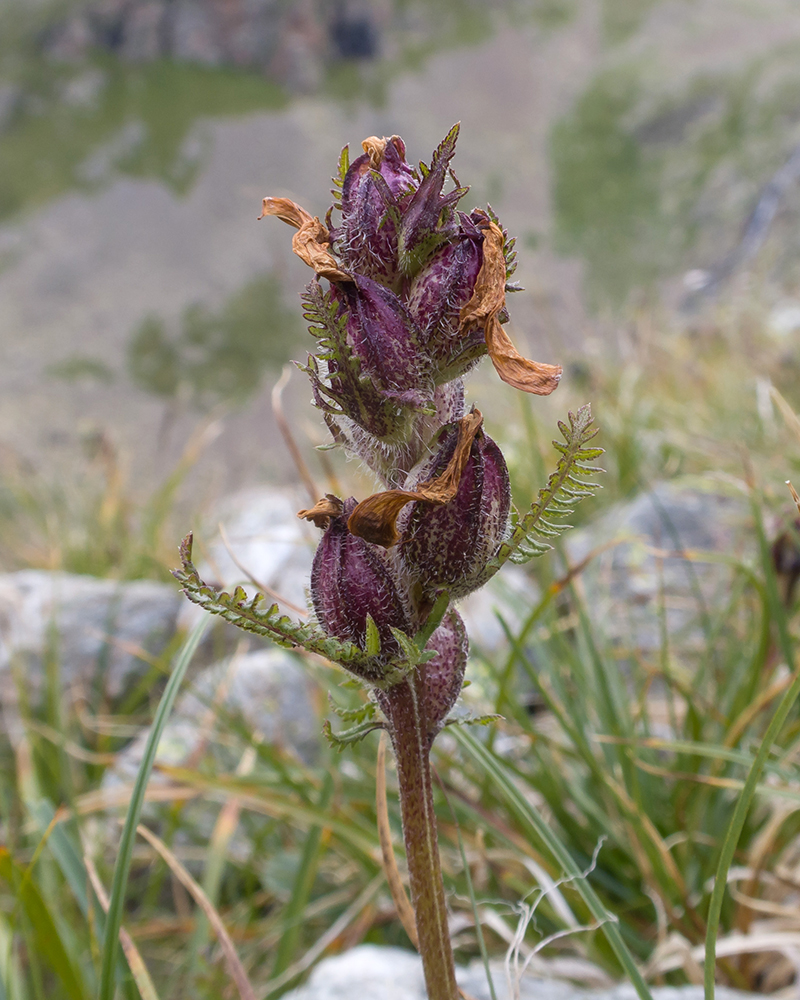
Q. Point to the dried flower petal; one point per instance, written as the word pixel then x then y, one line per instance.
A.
pixel 311 242
pixel 374 148
pixel 374 519
pixel 323 510
pixel 488 298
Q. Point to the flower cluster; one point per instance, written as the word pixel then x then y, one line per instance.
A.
pixel 415 297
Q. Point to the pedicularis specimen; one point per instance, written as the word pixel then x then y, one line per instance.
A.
pixel 408 295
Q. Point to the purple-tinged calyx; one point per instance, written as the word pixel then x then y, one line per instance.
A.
pixel 426 218
pixel 437 295
pixel 345 387
pixel 449 546
pixel 444 674
pixel 442 678
pixel 351 584
pixel 385 337
pixel 366 239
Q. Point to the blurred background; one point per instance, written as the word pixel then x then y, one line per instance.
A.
pixel 626 143
pixel 646 156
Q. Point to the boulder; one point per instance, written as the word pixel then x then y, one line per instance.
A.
pixel 100 632
pixel 11 99
pixel 662 547
pixel 269 692
pixel 145 32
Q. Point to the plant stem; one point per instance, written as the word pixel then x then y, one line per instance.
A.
pixel 405 710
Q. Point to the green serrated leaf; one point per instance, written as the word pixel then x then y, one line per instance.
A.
pixel 557 499
pixel 407 645
pixel 475 720
pixel 348 737
pixel 373 639
pixel 362 713
pixel 341 173
pixel 250 616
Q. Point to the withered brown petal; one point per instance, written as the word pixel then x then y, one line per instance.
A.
pixel 311 242
pixel 286 210
pixel 489 293
pixel 374 148
pixel 330 506
pixel 375 519
pixel 488 298
pixel 519 372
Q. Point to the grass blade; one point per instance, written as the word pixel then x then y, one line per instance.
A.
pixel 303 884
pixel 122 867
pixel 745 800
pixel 135 961
pixel 506 787
pixel 48 941
pixel 234 965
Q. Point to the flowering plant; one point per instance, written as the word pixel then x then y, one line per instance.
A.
pixel 415 297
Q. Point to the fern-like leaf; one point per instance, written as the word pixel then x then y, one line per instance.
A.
pixel 365 712
pixel 347 737
pixel 341 388
pixel 509 252
pixel 250 614
pixel 530 533
pixel 338 180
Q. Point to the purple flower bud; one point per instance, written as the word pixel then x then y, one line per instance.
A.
pixel 444 677
pixel 350 579
pixel 366 240
pixel 384 336
pixel 423 219
pixel 449 546
pixel 436 297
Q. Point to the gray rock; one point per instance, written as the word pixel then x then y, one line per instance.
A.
pixel 11 97
pixel 268 691
pixel 195 36
pixel 84 91
pixel 71 41
pixel 662 537
pixel 94 627
pixel 371 972
pixel 145 32
pixel 103 161
pixel 264 535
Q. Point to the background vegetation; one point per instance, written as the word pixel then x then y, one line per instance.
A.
pixel 634 758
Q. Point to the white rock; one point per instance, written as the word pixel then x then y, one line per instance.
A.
pixel 368 971
pixel 268 691
pixel 372 972
pixel 662 536
pixel 94 627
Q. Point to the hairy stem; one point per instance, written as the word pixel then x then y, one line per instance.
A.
pixel 405 709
